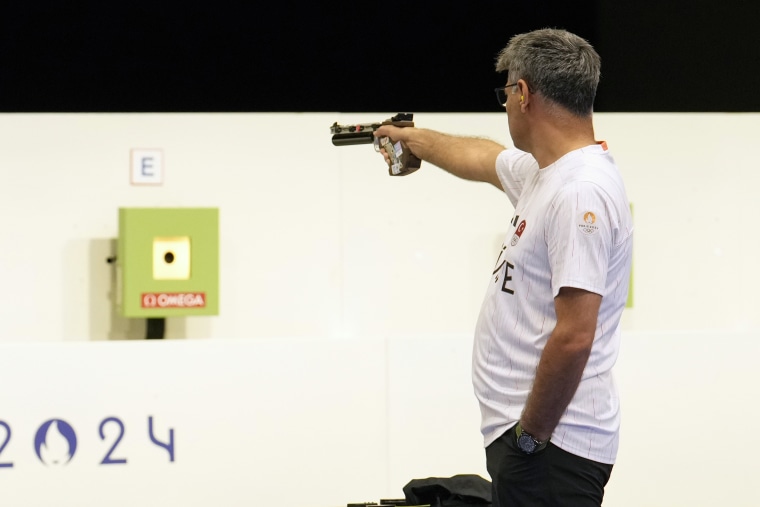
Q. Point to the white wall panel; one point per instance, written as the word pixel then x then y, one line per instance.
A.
pixel 318 240
pixel 325 422
pixel 288 422
pixel 688 433
pixel 434 420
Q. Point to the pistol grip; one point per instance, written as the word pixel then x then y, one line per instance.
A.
pixel 402 161
pixel 410 164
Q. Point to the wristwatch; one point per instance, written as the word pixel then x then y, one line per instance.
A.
pixel 526 442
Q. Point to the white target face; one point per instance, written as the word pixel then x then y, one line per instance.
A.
pixel 171 258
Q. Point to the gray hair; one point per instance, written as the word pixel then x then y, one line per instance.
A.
pixel 560 65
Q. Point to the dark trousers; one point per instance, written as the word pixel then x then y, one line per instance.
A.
pixel 550 478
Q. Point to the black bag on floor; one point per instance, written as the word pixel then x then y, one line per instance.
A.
pixel 457 491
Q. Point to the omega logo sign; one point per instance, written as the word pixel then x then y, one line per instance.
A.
pixel 173 300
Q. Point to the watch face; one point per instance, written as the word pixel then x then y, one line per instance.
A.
pixel 526 443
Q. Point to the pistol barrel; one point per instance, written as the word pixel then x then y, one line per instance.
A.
pixel 350 138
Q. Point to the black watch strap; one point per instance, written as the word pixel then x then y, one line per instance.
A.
pixel 522 434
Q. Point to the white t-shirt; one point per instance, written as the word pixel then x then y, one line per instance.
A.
pixel 572 227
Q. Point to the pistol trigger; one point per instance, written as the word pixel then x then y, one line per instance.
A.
pixel 376 143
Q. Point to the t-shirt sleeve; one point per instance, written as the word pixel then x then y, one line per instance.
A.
pixel 513 167
pixel 579 235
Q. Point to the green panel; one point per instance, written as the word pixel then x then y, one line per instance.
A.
pixel 139 229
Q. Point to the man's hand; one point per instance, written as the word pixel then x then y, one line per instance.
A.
pixel 394 134
pixel 466 157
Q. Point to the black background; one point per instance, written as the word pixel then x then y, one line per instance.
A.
pixel 420 56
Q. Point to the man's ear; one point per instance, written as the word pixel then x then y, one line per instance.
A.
pixel 524 92
pixel 525 95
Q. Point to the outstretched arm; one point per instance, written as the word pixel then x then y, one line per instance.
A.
pixel 466 157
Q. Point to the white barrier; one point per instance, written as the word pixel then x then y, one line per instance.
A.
pixel 320 423
pixel 281 422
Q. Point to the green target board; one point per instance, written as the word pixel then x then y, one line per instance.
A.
pixel 168 262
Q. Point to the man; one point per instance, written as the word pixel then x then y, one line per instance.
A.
pixel 548 332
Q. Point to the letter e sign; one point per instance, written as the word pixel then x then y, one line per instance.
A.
pixel 146 166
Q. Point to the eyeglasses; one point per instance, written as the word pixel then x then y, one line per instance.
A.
pixel 501 94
